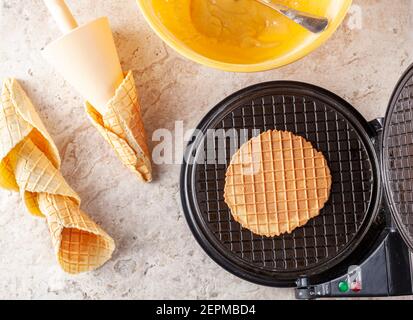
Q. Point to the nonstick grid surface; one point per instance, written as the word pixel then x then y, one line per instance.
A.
pixel 398 159
pixel 336 129
pixel 324 237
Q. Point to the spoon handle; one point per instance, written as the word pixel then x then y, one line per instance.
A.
pixel 313 23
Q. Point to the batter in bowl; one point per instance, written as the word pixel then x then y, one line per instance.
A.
pixel 243 23
pixel 234 31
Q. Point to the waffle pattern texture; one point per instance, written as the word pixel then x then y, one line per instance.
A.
pixel 122 127
pixel 277 182
pixel 30 164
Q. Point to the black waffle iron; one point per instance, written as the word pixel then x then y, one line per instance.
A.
pixel 360 244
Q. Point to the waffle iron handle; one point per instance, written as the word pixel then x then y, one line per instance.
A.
pixel 305 291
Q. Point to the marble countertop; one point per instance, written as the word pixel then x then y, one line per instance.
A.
pixel 157 256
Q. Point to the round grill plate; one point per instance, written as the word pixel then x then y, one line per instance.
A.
pixel 334 128
pixel 397 156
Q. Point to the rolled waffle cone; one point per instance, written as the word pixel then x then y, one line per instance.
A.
pixel 122 127
pixel 276 183
pixel 30 164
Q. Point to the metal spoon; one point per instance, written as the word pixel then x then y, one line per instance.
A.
pixel 313 23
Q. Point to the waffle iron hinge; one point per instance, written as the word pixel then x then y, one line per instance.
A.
pixel 377 126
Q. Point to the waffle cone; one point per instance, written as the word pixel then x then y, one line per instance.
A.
pixel 276 183
pixel 122 127
pixel 30 164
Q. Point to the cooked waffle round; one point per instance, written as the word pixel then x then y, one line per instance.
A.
pixel 277 182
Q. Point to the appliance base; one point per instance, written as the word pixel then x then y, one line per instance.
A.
pixel 386 272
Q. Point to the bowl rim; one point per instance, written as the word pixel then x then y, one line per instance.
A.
pixel 192 55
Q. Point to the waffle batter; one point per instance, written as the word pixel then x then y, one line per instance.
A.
pixel 236 31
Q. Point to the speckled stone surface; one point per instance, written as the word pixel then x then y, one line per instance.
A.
pixel 157 257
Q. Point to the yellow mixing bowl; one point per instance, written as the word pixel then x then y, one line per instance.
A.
pixel 239 35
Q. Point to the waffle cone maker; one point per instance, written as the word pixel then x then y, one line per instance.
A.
pixel 361 243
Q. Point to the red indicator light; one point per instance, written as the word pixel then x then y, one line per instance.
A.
pixel 354 279
pixel 355 286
